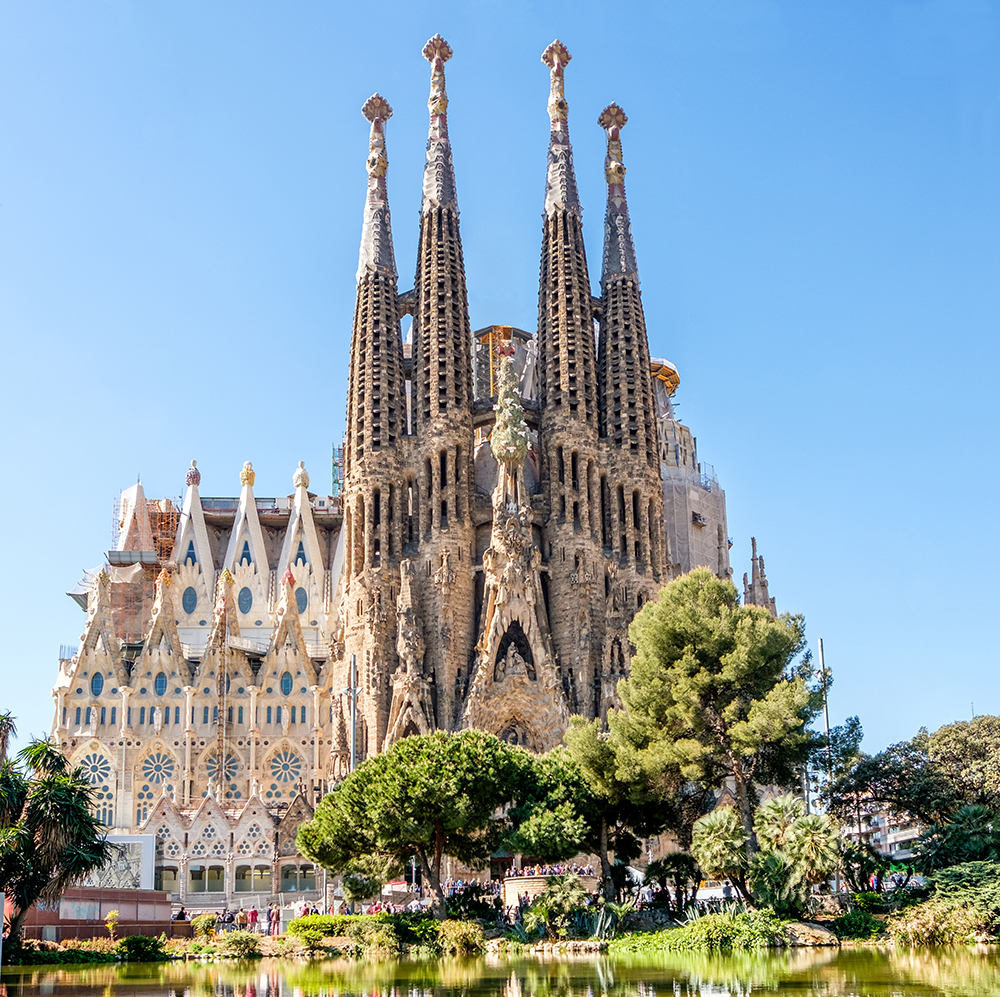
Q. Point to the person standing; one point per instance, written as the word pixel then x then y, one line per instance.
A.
pixel 252 919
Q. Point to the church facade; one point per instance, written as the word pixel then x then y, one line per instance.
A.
pixel 509 502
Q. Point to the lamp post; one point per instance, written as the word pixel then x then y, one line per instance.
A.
pixel 352 691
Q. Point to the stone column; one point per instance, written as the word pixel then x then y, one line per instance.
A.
pixel 188 737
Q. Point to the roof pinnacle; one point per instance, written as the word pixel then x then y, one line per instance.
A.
pixel 439 172
pixel 619 251
pixel 376 233
pixel 560 187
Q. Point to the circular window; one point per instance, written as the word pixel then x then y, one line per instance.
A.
pixel 286 683
pixel 97 684
pixel 96 769
pixel 189 600
pixel 160 683
pixel 301 599
pixel 245 600
pixel 286 766
pixel 157 767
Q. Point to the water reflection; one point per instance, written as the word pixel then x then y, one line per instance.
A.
pixel 966 972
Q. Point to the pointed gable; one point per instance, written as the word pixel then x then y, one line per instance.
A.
pixel 192 544
pixel 288 633
pixel 246 542
pixel 301 544
pixel 163 632
pixel 135 532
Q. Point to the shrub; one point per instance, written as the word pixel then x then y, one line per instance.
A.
pixel 142 948
pixel 242 944
pixel 474 902
pixel 867 901
pixel 203 925
pixel 730 930
pixel 857 924
pixel 461 938
pixel 555 906
pixel 111 922
pixel 376 939
pixel 312 929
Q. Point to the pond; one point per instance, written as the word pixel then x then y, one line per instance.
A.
pixel 802 973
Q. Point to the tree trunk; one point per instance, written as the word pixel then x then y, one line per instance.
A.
pixel 607 883
pixel 746 811
pixel 432 879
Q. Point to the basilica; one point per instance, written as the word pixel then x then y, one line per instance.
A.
pixel 506 502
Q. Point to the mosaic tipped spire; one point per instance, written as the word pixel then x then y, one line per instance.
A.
pixel 619 251
pixel 439 172
pixel 560 185
pixel 376 232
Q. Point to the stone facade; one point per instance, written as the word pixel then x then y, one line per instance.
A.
pixel 493 539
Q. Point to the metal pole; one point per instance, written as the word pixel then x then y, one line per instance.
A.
pixel 829 750
pixel 354 710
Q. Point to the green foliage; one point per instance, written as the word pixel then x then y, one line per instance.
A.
pixel 25 956
pixel 427 796
pixel 678 873
pixel 461 938
pixel 364 877
pixel 374 939
pixel 972 835
pixel 474 902
pixel 554 907
pixel 795 849
pixel 142 948
pixel 867 901
pixel 242 944
pixel 203 925
pixel 860 862
pixel 858 924
pixel 968 754
pixel 729 930
pixel 49 836
pixel 714 692
pixel 964 907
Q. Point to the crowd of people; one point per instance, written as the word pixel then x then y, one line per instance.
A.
pixel 551 870
pixel 266 921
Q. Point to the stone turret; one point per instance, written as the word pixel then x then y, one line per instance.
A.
pixel 440 477
pixel 569 408
pixel 755 591
pixel 376 425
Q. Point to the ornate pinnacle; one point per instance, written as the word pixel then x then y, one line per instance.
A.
pixel 439 173
pixel 619 252
pixel 376 233
pixel 248 475
pixel 560 189
pixel 300 479
pixel 193 476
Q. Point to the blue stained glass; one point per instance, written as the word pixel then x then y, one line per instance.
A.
pixel 245 600
pixel 301 599
pixel 160 683
pixel 97 684
pixel 189 600
pixel 286 683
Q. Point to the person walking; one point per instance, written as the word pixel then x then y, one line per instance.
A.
pixel 252 919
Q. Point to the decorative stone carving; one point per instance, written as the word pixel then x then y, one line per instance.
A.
pixel 248 476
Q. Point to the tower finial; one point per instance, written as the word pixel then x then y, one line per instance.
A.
pixel 376 233
pixel 439 173
pixel 560 187
pixel 619 251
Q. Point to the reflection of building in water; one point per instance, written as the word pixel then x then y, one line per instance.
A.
pixel 504 504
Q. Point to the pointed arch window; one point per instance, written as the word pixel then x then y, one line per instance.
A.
pixel 190 557
pixel 245 557
pixel 300 554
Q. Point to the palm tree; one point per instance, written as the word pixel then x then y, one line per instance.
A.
pixel 49 835
pixel 719 846
pixel 7 730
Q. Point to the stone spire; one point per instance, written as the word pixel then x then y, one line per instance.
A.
pixel 619 252
pixel 755 591
pixel 626 391
pixel 376 410
pixel 439 173
pixel 376 232
pixel 560 186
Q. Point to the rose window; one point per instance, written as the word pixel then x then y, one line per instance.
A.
pixel 263 848
pixel 96 768
pixel 198 849
pixel 157 767
pixel 254 832
pixel 163 832
pixel 286 766
pixel 173 849
pixel 219 848
pixel 208 831
pixel 244 848
pixel 224 773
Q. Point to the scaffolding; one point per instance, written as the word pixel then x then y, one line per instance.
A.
pixel 494 343
pixel 164 515
pixel 337 470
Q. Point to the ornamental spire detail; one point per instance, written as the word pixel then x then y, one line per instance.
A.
pixel 619 251
pixel 376 232
pixel 439 172
pixel 560 186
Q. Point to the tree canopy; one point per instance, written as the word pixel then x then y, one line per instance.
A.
pixel 429 795
pixel 49 835
pixel 716 691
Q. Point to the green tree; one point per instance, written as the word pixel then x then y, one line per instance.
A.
pixel 430 795
pixel 49 836
pixel 717 690
pixel 795 850
pixel 972 835
pixel 967 753
pixel 678 874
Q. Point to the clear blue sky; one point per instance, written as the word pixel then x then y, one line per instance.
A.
pixel 814 194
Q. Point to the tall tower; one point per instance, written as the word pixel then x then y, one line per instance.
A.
pixel 441 478
pixel 376 423
pixel 632 523
pixel 568 423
